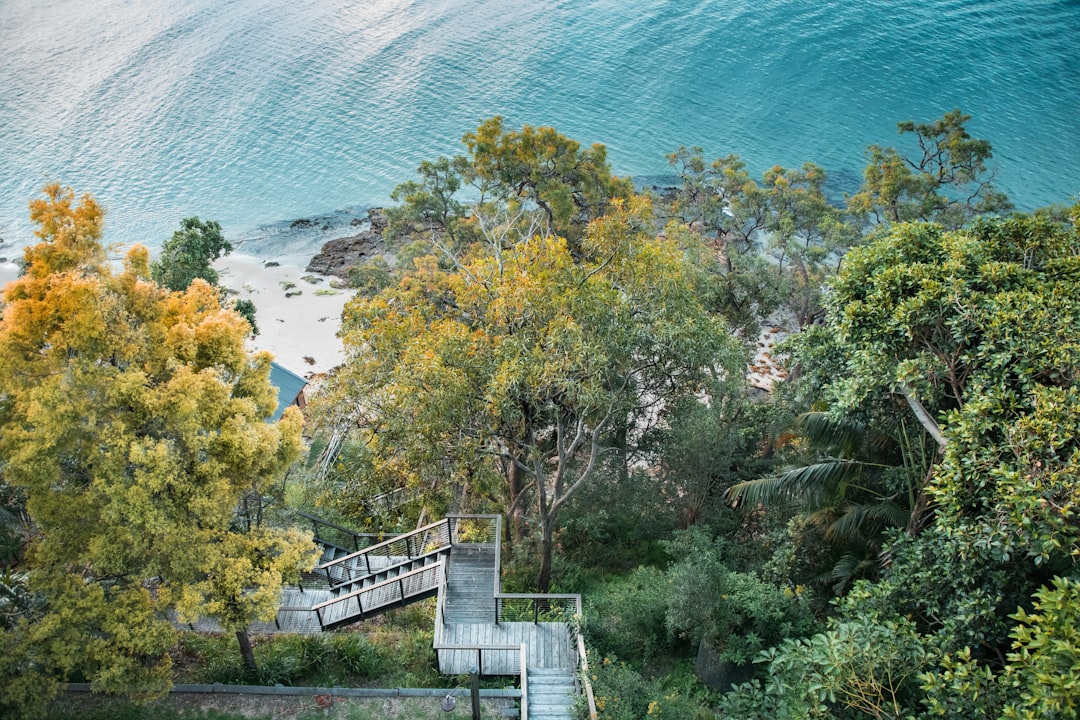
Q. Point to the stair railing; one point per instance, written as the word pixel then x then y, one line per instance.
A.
pixel 524 715
pixel 354 566
pixel 582 683
pixel 392 591
pixel 330 534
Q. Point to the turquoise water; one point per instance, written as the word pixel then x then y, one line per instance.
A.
pixel 258 112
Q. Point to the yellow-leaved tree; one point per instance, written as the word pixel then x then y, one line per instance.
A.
pixel 134 421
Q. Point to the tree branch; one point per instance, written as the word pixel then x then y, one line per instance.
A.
pixel 925 418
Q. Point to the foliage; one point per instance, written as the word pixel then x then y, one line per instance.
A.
pixel 528 358
pixel 627 618
pixel 187 255
pixel 333 660
pixel 538 174
pixel 1044 668
pixel 622 693
pixel 705 448
pixel 858 668
pixel 946 181
pixel 734 613
pixel 1040 677
pixel 855 483
pixel 975 329
pixel 786 218
pixel 133 421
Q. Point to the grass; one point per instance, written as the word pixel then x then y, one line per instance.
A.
pixel 393 650
pixel 262 707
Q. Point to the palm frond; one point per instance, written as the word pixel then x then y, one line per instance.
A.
pixel 835 433
pixel 858 521
pixel 849 568
pixel 807 485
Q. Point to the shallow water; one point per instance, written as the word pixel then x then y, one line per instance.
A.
pixel 258 112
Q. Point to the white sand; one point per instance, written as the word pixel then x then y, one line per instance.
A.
pixel 8 272
pixel 766 369
pixel 301 331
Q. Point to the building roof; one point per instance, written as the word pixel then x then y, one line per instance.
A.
pixel 289 386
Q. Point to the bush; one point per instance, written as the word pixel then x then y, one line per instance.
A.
pixel 627 618
pixel 624 694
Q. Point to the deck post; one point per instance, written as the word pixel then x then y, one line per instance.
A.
pixel 474 690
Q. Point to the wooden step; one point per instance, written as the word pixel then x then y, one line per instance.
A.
pixel 551 694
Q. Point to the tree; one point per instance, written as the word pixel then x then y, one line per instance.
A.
pixel 188 253
pixel 511 373
pixel 786 219
pixel 859 483
pixel 522 171
pixel 946 181
pixel 976 329
pixel 133 421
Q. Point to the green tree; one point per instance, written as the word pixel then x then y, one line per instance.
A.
pixel 778 240
pixel 543 179
pixel 977 330
pixel 510 374
pixel 188 254
pixel 854 484
pixel 945 181
pixel 133 421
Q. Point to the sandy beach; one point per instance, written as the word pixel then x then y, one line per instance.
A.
pixel 298 313
pixel 8 272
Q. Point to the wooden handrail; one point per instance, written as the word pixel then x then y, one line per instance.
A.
pixel 583 665
pixel 375 549
pixel 376 586
pixel 524 685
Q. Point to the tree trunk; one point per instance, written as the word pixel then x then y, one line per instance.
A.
pixel 543 583
pixel 246 652
pixel 517 514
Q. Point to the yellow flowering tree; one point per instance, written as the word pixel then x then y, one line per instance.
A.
pixel 133 420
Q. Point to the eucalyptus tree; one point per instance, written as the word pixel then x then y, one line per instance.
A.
pixel 946 180
pixel 503 372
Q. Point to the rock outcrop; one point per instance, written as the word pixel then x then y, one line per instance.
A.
pixel 337 256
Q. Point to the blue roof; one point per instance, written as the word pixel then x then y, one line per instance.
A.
pixel 289 386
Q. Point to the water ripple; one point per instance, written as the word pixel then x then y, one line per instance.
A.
pixel 256 113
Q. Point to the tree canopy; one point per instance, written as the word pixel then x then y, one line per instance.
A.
pixel 512 368
pixel 133 420
pixel 188 254
pixel 518 171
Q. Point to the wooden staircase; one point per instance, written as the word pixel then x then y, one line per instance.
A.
pixel 551 694
pixel 478 628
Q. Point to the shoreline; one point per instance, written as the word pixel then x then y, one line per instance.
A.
pixel 298 312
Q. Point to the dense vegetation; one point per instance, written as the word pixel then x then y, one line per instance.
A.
pixel 890 533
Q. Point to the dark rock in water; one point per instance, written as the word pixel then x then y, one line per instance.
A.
pixel 337 256
pixel 301 223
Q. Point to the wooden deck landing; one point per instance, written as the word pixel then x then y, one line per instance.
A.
pixel 547 646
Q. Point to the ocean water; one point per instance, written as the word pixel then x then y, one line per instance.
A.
pixel 260 112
